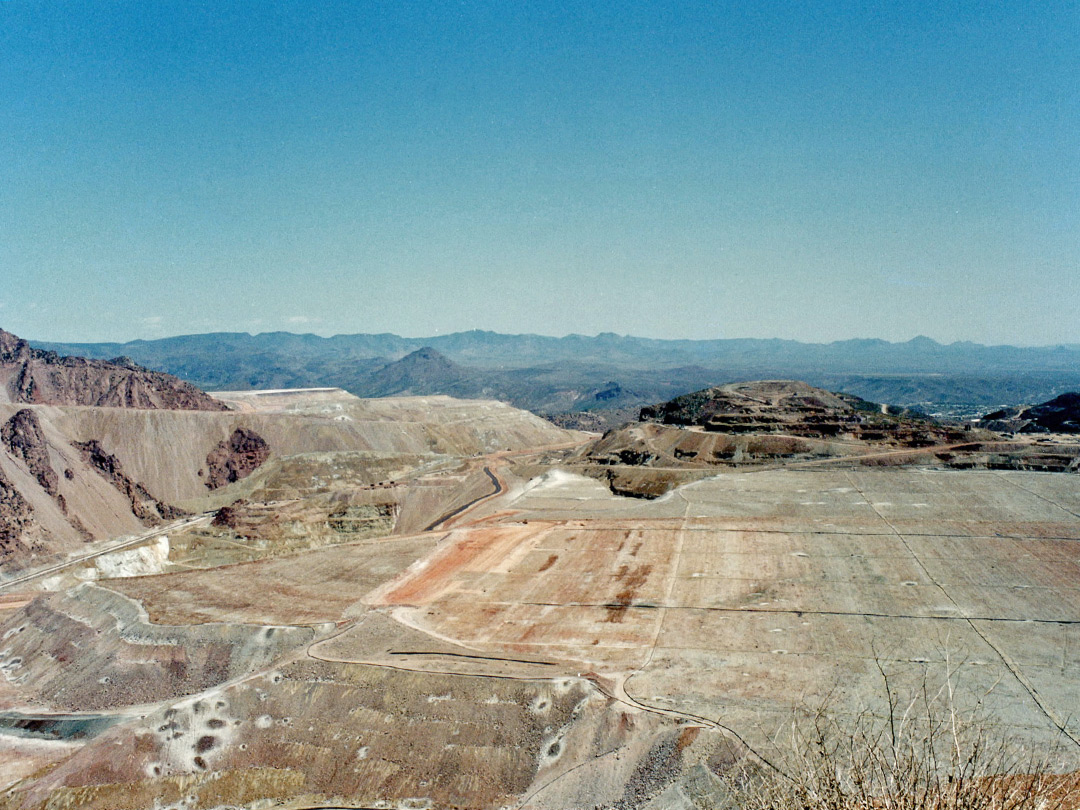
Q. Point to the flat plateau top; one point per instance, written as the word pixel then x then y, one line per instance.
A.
pixel 742 595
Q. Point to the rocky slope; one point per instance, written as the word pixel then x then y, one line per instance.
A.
pixel 24 439
pixel 33 376
pixel 76 474
pixel 1059 415
pixel 16 521
pixel 59 489
pixel 144 506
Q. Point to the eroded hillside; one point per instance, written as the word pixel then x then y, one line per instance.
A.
pixel 77 475
pixel 33 376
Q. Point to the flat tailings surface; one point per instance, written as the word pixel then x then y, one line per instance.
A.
pixel 741 596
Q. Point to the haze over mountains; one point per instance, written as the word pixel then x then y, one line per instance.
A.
pixel 581 373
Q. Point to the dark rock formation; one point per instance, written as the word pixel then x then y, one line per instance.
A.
pixel 16 520
pixel 31 376
pixel 24 439
pixel 647 488
pixel 235 458
pixel 144 506
pixel 229 516
pixel 1059 415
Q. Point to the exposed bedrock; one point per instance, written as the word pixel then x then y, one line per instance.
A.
pixel 143 505
pixel 236 457
pixel 34 376
pixel 24 439
pixel 16 519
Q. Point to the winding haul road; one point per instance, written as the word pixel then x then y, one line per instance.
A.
pixel 498 488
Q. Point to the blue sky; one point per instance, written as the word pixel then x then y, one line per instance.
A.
pixel 803 170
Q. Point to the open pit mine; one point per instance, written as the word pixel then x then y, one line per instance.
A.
pixel 303 599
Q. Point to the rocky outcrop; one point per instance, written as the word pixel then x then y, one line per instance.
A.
pixel 23 438
pixel 754 406
pixel 16 520
pixel 144 506
pixel 235 458
pixel 1058 415
pixel 229 516
pixel 32 376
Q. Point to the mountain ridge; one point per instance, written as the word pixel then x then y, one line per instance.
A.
pixel 34 376
pixel 551 375
pixel 527 346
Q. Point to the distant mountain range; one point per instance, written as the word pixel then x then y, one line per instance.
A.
pixel 606 372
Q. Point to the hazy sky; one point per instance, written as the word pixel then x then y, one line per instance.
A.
pixel 810 170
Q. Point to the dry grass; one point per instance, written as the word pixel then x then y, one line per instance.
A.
pixel 925 754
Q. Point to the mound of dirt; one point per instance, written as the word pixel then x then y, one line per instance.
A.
pixel 770 406
pixel 763 422
pixel 796 409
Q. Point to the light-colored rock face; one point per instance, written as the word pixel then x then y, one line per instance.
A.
pixel 135 562
pixel 166 450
